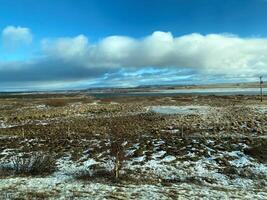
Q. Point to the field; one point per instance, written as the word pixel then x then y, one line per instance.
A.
pixel 75 146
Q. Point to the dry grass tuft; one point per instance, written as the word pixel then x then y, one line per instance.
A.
pixel 5 171
pixel 33 164
pixel 56 102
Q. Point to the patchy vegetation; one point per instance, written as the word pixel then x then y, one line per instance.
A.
pixel 56 102
pixel 120 148
pixel 30 164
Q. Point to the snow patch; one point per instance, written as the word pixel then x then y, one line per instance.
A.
pixel 183 110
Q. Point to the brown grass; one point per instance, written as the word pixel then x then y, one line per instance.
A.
pixel 56 102
pixel 4 172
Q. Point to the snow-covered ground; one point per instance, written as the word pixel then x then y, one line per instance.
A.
pixel 5 125
pixel 192 175
pixel 166 163
pixel 183 110
pixel 260 108
pixel 64 188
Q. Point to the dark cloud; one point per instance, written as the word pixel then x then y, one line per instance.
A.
pixel 48 70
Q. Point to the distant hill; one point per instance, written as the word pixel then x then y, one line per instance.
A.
pixel 144 88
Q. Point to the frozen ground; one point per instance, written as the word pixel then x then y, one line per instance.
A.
pixel 203 170
pixel 177 148
pixel 55 188
pixel 260 108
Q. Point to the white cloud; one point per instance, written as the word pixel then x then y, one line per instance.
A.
pixel 66 48
pixel 13 36
pixel 210 54
pixel 155 59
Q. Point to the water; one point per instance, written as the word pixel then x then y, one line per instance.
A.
pixel 211 91
pixel 159 92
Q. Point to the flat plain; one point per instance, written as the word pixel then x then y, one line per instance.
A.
pixel 61 146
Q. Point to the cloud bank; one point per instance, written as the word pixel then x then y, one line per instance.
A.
pixel 76 58
pixel 212 54
pixel 13 37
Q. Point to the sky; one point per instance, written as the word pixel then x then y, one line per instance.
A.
pixel 78 44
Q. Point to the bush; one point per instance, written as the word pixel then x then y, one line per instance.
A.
pixel 33 164
pixel 118 141
pixel 90 174
pixel 56 102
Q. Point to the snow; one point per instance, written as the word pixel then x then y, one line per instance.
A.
pixel 41 106
pixel 70 189
pixel 67 166
pixel 139 159
pixel 240 162
pixel 158 154
pixel 5 125
pixel 184 110
pixel 158 165
pixel 169 159
pixel 262 109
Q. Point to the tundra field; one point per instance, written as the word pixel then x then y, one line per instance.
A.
pixel 74 146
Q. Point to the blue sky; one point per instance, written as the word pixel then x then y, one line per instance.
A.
pixel 62 44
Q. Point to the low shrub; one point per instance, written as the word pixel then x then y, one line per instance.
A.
pixel 56 102
pixel 33 164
